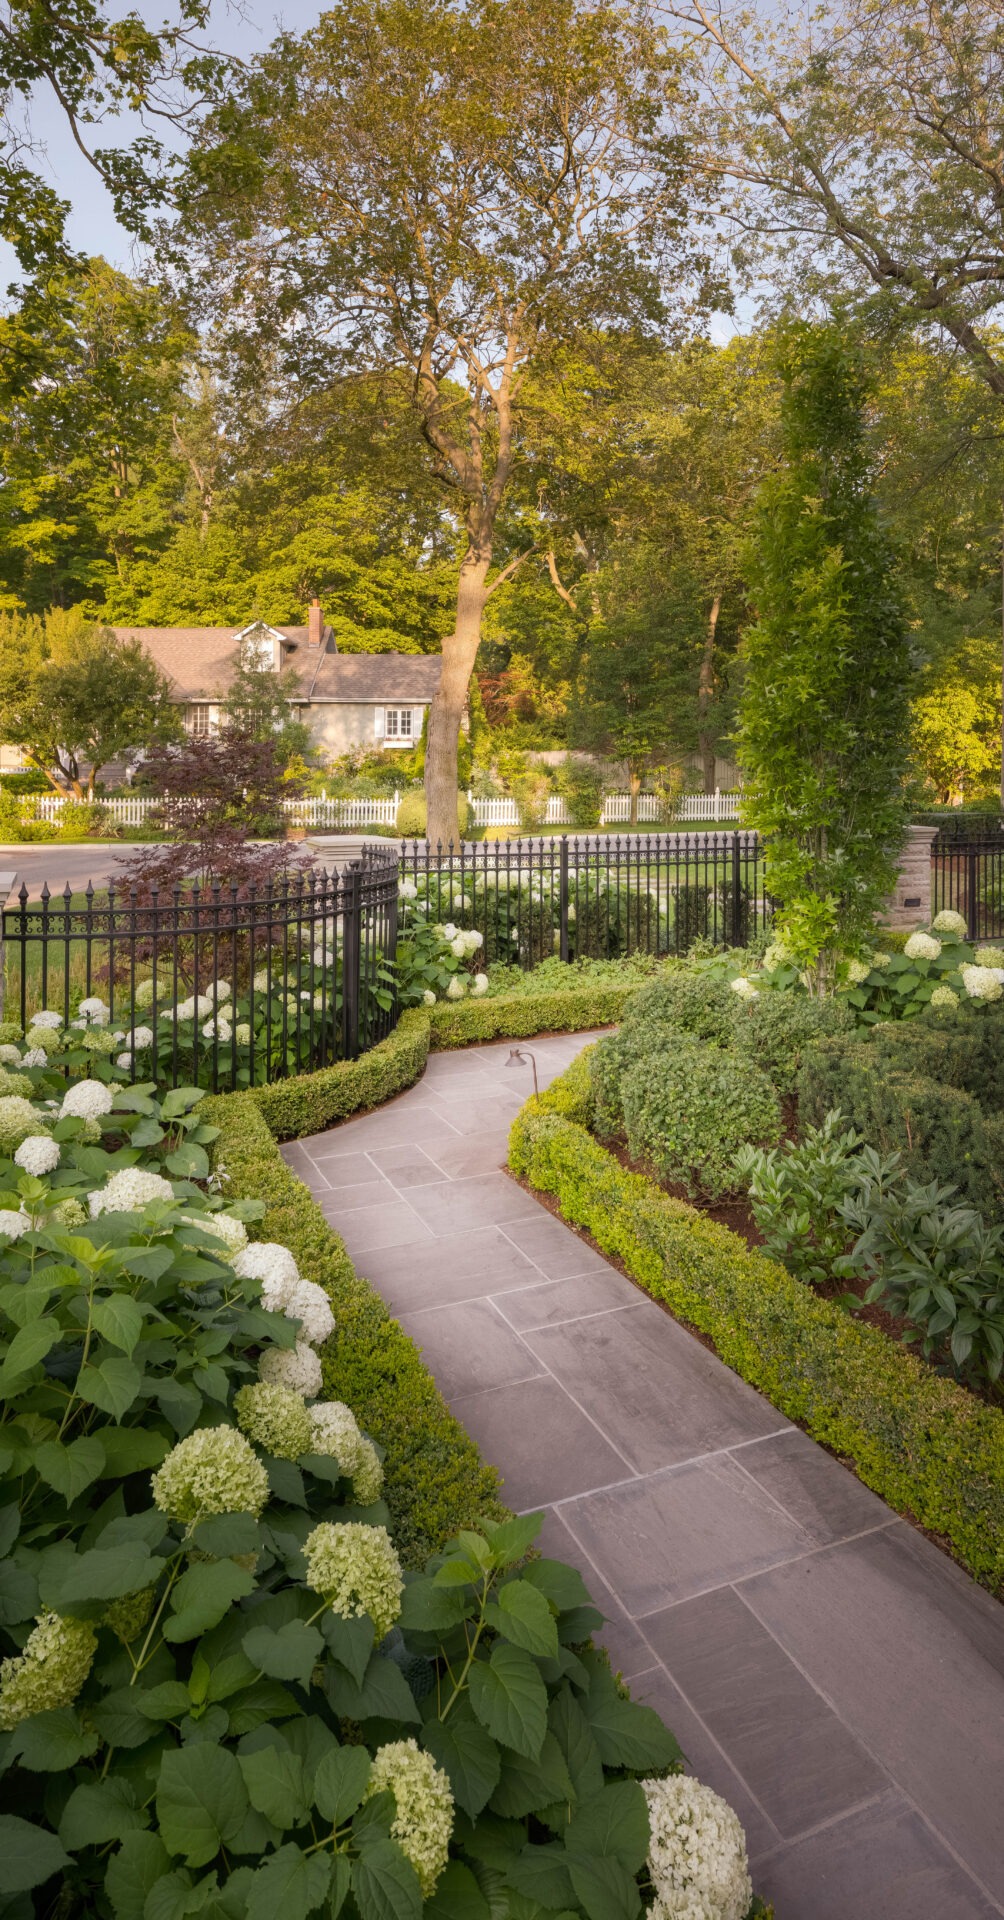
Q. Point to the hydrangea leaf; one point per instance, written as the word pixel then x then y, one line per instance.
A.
pixel 511 1540
pixel 188 1162
pixel 523 1616
pixel 613 1822
pixel 457 1896
pixel 100 1811
pixel 628 1735
pixel 384 1694
pixel 286 1481
pixel 290 1883
pixel 132 1450
pixel 385 1884
pixel 132 1871
pixel 291 1653
pixel 561 1584
pixel 118 1718
pixel 49 1742
pixel 168 1701
pixel 275 1785
pixel 527 1785
pixel 18 1594
pixel 427 1607
pixel 28 1855
pixel 350 1641
pixel 341 1881
pixel 468 1756
pixel 68 1581
pixel 201 1801
pixel 510 1699
pixel 70 1469
pixel 571 1729
pixel 604 1888
pixel 340 1782
pixel 204 1595
pixel 227 1533
pixel 112 1385
pixel 118 1318
pixel 26 1351
pixel 261 1704
pixel 543 1874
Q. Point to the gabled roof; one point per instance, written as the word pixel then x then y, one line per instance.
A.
pixel 200 663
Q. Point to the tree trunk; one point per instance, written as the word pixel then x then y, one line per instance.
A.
pixel 705 695
pixel 447 708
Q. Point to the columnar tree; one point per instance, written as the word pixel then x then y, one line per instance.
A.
pixel 824 719
pixel 444 191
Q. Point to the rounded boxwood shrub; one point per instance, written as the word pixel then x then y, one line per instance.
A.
pixel 776 1029
pixel 688 1109
pixel 696 1002
pixel 412 816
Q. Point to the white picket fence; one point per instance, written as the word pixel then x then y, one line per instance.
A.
pixel 322 811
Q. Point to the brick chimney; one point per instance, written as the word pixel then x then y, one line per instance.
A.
pixel 315 623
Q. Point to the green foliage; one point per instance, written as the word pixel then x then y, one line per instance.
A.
pixel 411 816
pixel 901 984
pixel 689 1107
pixel 776 1030
pixel 258 705
pixel 75 697
pixel 824 723
pixel 797 1192
pixel 925 1444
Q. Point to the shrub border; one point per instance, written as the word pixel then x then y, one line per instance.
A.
pixel 923 1443
pixel 436 1482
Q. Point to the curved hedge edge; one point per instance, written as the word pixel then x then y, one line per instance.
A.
pixel 310 1102
pixel 436 1482
pixel 928 1447
pixel 516 1016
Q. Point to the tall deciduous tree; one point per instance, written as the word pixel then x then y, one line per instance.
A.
pixel 75 697
pixel 449 191
pixel 825 721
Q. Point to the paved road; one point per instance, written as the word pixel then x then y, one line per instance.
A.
pixel 833 1675
pixel 55 865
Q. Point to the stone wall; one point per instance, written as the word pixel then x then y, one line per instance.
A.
pixel 910 904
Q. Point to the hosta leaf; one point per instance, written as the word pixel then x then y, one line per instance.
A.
pixel 523 1616
pixel 49 1742
pixel 28 1855
pixel 385 1884
pixel 201 1801
pixel 289 1653
pixel 100 1811
pixel 340 1782
pixel 203 1595
pixel 69 1469
pixel 112 1386
pixel 467 1754
pixel 132 1871
pixel 509 1698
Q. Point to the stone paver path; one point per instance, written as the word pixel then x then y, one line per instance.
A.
pixel 823 1666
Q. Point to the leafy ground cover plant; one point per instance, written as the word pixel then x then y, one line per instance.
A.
pixel 798 1192
pixel 221 1693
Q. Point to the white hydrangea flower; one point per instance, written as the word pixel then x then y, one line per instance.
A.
pixel 261 981
pixel 144 996
pixel 272 1264
pixel 185 1010
pixel 35 1057
pixel 697 1853
pixel 449 931
pixel 220 991
pixel 744 987
pixel 275 1418
pixel 428 997
pixel 94 1011
pixel 10 1056
pixel 423 1798
pixel 309 1304
pixel 14 1223
pixel 295 1367
pixel 455 990
pixel 335 1431
pixel 474 940
pixel 86 1100
pixel 944 997
pixel 367 1480
pixel 37 1155
pixel 47 1019
pixel 990 957
pixel 123 1060
pixel 18 1119
pixel 480 983
pixel 857 972
pixel 322 956
pixel 141 1037
pixel 922 946
pixel 775 956
pixel 129 1191
pixel 881 959
pixel 357 1571
pixel 242 1034
pixel 219 1027
pixel 204 1004
pixel 43 1040
pixel 214 1470
pixel 49 1673
pixel 407 890
pixel 948 921
pixel 223 1226
pixel 981 983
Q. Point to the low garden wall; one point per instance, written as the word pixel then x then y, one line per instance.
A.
pixel 926 1445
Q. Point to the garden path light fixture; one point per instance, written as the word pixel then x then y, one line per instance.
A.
pixel 518 1056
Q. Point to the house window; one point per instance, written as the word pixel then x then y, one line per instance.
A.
pixel 397 723
pixel 198 720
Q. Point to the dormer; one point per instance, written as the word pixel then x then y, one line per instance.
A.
pixel 262 647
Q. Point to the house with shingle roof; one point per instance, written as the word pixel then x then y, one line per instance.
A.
pixel 346 699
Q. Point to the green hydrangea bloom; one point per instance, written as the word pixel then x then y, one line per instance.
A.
pixel 357 1570
pixel 18 1119
pixel 49 1673
pixel 423 1822
pixel 214 1470
pixel 367 1480
pixel 16 1083
pixel 275 1418
pixel 128 1617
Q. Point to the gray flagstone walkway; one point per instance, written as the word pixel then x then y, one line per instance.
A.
pixel 823 1665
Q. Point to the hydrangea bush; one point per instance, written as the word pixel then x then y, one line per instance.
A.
pixel 220 1692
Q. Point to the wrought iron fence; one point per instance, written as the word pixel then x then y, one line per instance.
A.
pixel 212 987
pixel 968 876
pixel 594 895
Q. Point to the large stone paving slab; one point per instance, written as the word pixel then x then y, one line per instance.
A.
pixel 824 1667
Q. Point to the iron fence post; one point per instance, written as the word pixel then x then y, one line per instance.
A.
pixel 563 895
pixel 353 878
pixel 972 892
pixel 737 904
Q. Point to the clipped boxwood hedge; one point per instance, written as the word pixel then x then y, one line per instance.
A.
pixel 517 1016
pixel 926 1445
pixel 436 1482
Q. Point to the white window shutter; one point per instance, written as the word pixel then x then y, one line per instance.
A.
pixel 378 723
pixel 417 716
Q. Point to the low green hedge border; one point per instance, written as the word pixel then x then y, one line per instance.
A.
pixel 313 1101
pixel 926 1445
pixel 435 1480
